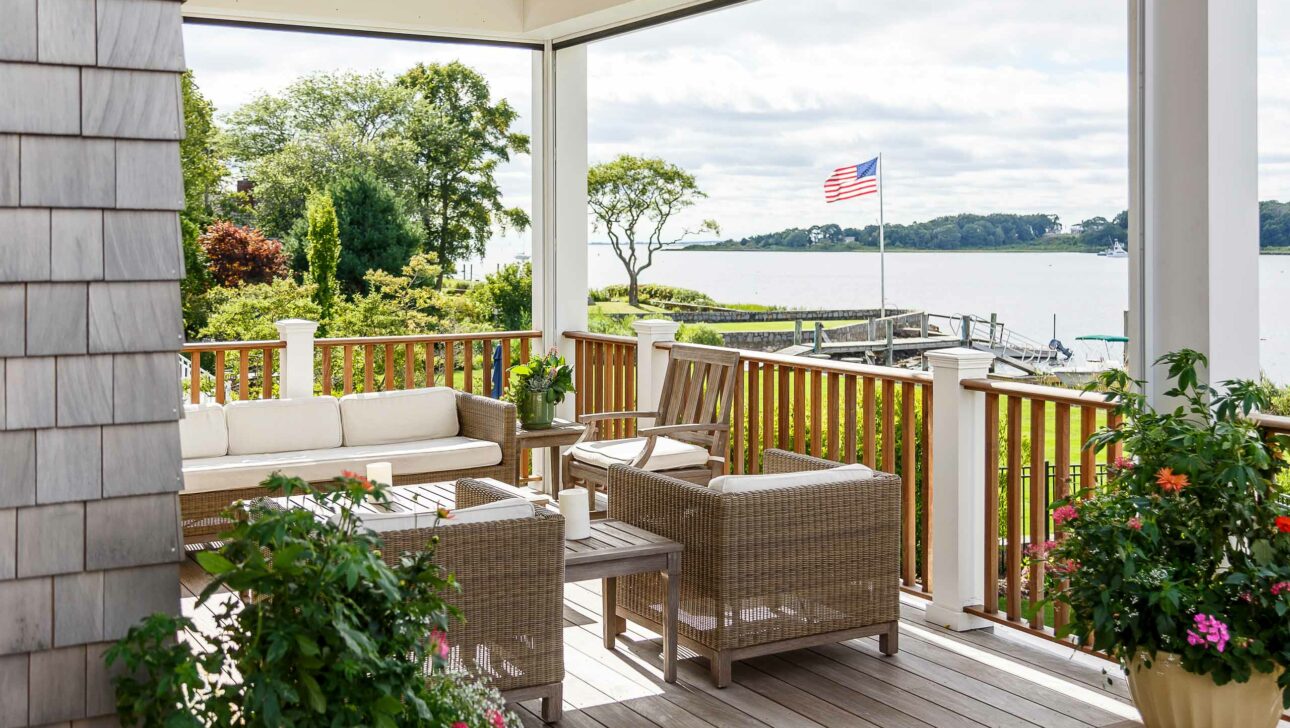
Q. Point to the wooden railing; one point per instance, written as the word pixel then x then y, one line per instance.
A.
pixel 605 378
pixel 1023 479
pixel 232 370
pixel 382 363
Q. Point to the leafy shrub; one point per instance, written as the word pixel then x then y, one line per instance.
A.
pixel 506 297
pixel 238 255
pixel 700 334
pixel 599 323
pixel 1188 552
pixel 248 313
pixel 334 636
pixel 654 292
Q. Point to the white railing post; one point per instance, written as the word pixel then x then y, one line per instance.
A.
pixel 297 378
pixel 651 363
pixel 958 470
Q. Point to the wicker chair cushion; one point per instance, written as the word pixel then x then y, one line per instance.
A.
pixel 775 481
pixel 426 456
pixel 501 510
pixel 282 425
pixel 202 431
pixel 668 454
pixel 399 416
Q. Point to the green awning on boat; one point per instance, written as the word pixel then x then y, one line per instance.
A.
pixel 1104 337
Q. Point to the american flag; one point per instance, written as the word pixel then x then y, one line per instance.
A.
pixel 856 180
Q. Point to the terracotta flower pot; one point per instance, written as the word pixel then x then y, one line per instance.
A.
pixel 1170 697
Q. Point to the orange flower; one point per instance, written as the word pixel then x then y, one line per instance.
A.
pixel 1170 481
pixel 1283 524
pixel 362 480
pixel 443 513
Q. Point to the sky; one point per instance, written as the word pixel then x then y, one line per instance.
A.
pixel 976 105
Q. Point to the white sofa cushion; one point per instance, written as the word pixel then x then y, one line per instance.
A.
pixel 668 454
pixel 282 425
pixel 399 416
pixel 501 510
pixel 427 456
pixel 775 481
pixel 202 432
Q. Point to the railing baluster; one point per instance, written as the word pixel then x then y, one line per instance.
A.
pixel 908 479
pixel 267 390
pixel 487 368
pixel 992 503
pixel 387 381
pixel 506 365
pixel 1061 486
pixel 817 412
pixel 1013 549
pixel 754 414
pixel 888 426
pixel 782 406
pixel 347 356
pixel 629 382
pixel 326 370
pixel 219 376
pixel 369 368
pixel 468 365
pixel 735 463
pixel 611 388
pixel 849 415
pixel 1087 457
pixel 449 365
pixel 409 366
pixel 195 377
pixel 799 410
pixel 429 355
pixel 1038 508
pixel 925 437
pixel 869 423
pixel 244 374
pixel 834 420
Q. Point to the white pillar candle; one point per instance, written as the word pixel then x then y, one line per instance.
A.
pixel 380 473
pixel 577 514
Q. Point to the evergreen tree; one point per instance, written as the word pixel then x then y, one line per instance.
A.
pixel 376 231
pixel 324 253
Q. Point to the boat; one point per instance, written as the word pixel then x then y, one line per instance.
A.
pixel 521 257
pixel 1115 251
pixel 1098 353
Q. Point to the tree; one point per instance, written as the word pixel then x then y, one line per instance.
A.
pixel 506 297
pixel 373 226
pixel 394 304
pixel 247 313
pixel 459 136
pixel 237 255
pixel 634 199
pixel 315 130
pixel 202 173
pixel 324 253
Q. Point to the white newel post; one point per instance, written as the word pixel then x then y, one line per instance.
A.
pixel 651 363
pixel 958 432
pixel 297 379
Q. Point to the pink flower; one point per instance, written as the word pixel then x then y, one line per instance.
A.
pixel 439 643
pixel 1123 463
pixel 460 724
pixel 1209 631
pixel 1279 587
pixel 1040 550
pixel 495 717
pixel 1065 513
pixel 1063 567
pixel 1135 523
pixel 1248 598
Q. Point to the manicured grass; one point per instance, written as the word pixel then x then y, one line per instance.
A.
pixel 622 307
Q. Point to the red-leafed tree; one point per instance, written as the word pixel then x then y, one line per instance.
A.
pixel 238 255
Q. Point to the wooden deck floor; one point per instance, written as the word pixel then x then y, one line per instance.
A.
pixel 939 678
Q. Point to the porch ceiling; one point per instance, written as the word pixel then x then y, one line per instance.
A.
pixel 523 22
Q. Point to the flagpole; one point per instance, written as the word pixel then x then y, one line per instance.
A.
pixel 882 245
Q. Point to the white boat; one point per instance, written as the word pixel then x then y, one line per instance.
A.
pixel 1098 353
pixel 1115 251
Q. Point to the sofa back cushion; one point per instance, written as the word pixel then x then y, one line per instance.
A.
pixel 774 481
pixel 202 432
pixel 282 425
pixel 404 415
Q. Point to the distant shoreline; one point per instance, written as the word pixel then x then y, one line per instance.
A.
pixel 719 249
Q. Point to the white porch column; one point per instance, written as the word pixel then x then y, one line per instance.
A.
pixel 297 379
pixel 958 429
pixel 1193 225
pixel 651 364
pixel 560 194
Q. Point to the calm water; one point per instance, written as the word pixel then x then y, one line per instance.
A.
pixel 1088 294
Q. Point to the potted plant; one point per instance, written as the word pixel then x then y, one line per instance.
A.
pixel 537 387
pixel 1180 568
pixel 332 635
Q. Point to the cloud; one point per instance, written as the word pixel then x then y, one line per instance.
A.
pixel 976 105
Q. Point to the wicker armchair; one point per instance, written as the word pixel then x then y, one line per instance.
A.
pixel 768 571
pixel 512 596
pixel 480 417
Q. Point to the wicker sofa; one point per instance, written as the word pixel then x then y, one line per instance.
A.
pixel 432 434
pixel 771 569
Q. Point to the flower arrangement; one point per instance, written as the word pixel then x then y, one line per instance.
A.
pixel 1188 549
pixel 333 636
pixel 537 386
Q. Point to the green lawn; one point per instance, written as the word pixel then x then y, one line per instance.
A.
pixel 622 307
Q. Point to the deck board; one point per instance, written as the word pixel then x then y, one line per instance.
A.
pixel 939 678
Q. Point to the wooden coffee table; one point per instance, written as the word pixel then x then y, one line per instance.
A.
pixel 618 549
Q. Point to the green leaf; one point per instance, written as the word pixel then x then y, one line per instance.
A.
pixel 307 645
pixel 213 562
pixel 1263 552
pixel 313 694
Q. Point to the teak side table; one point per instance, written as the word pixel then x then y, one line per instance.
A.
pixel 560 434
